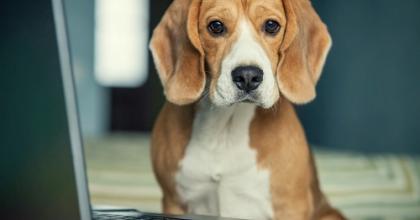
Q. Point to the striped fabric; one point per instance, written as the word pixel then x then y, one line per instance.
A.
pixel 371 187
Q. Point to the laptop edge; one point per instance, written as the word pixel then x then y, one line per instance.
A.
pixel 71 107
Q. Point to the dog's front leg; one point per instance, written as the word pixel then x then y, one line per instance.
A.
pixel 172 207
pixel 294 208
pixel 291 188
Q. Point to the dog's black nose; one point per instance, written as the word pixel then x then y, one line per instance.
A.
pixel 247 78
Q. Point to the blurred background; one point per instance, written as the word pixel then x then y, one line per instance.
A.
pixel 368 96
pixel 364 125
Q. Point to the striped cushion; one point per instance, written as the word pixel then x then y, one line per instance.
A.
pixel 362 186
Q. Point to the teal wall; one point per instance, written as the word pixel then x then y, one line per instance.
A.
pixel 369 95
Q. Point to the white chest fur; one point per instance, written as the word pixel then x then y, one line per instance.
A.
pixel 218 174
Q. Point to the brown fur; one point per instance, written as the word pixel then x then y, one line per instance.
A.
pixel 182 46
pixel 169 138
pixel 303 51
pixel 278 138
pixel 178 54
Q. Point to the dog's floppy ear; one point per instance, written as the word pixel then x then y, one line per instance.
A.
pixel 177 52
pixel 303 51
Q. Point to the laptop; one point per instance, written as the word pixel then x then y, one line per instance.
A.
pixel 42 168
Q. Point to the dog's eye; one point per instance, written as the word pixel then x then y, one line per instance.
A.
pixel 271 27
pixel 216 27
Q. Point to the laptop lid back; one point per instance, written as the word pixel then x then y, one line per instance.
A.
pixel 41 161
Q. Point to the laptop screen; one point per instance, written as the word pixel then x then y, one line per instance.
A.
pixel 37 172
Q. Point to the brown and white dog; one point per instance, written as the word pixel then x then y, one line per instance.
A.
pixel 228 141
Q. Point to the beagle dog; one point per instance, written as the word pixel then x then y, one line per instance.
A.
pixel 228 142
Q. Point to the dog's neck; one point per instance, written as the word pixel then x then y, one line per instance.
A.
pixel 212 124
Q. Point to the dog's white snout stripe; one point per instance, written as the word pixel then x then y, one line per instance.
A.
pixel 246 51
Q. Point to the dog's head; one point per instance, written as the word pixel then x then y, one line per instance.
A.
pixel 240 51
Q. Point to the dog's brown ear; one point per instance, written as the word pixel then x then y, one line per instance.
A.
pixel 303 51
pixel 177 52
